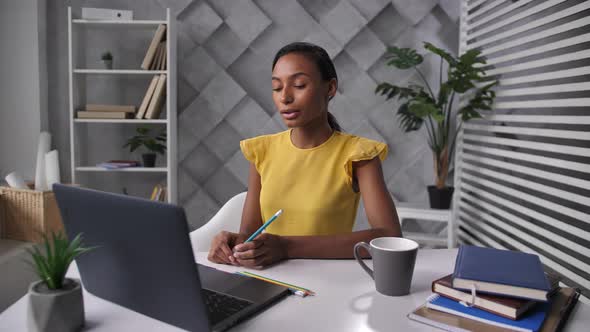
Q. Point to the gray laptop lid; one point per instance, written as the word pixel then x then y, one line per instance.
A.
pixel 144 261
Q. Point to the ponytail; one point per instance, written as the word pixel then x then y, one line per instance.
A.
pixel 333 123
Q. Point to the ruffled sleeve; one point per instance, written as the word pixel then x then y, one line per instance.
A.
pixel 254 150
pixel 364 149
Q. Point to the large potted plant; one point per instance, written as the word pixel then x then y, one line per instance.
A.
pixel 422 105
pixel 55 302
pixel 153 142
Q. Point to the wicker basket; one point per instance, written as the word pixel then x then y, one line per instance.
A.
pixel 26 214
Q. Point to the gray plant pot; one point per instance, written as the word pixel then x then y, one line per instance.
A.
pixel 55 310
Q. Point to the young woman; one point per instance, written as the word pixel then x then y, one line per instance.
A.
pixel 314 172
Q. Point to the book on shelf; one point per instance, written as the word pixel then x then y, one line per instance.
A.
pixel 562 303
pixel 155 105
pixel 109 108
pixel 122 161
pixel 164 57
pixel 151 51
pixel 508 307
pixel 159 63
pixel 501 272
pixel 161 55
pixel 117 164
pixel 154 192
pixel 531 321
pixel 158 193
pixel 156 61
pixel 103 115
pixel 146 99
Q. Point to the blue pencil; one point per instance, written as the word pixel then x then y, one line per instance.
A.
pixel 268 222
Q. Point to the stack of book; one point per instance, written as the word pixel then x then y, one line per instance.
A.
pixel 99 111
pixel 159 60
pixel 155 56
pixel 151 105
pixel 159 193
pixel 497 290
pixel 116 164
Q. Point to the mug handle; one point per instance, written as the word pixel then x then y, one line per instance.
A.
pixel 360 260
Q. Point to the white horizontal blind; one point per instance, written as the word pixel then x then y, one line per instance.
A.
pixel 523 172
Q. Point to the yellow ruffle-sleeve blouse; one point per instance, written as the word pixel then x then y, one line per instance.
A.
pixel 312 186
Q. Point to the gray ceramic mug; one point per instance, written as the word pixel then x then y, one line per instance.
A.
pixel 393 263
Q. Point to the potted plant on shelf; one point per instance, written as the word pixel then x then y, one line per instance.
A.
pixel 107 59
pixel 55 302
pixel 421 105
pixel 154 143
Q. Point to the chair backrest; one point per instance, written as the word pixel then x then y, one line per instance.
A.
pixel 228 218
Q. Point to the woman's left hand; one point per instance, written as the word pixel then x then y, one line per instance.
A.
pixel 264 250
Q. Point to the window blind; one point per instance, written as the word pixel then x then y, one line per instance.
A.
pixel 522 172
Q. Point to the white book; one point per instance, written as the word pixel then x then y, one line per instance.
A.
pixel 106 14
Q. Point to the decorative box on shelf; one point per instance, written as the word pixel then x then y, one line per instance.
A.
pixel 25 215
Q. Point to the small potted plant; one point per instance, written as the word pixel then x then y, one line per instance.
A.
pixel 152 142
pixel 422 105
pixel 55 302
pixel 107 59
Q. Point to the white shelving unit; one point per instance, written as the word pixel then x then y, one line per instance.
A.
pixel 170 121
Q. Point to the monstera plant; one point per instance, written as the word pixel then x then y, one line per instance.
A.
pixel 421 105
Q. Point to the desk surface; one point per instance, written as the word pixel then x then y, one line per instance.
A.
pixel 346 300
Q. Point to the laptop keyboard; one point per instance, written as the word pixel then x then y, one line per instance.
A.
pixel 221 306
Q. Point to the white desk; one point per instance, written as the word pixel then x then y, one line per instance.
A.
pixel 346 300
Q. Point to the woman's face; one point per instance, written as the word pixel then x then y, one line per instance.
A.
pixel 299 93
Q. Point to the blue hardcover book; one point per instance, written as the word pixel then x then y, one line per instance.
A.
pixel 529 322
pixel 500 272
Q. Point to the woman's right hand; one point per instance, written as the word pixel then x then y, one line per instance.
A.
pixel 222 245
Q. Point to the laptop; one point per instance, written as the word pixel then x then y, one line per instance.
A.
pixel 145 262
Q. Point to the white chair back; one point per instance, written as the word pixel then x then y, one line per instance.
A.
pixel 228 218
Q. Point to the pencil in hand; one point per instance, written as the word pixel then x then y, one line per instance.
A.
pixel 263 227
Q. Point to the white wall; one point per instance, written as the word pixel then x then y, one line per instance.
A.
pixel 23 83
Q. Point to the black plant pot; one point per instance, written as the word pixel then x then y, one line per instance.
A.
pixel 440 198
pixel 149 159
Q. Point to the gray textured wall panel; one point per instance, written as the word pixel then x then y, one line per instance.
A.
pixel 225 50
